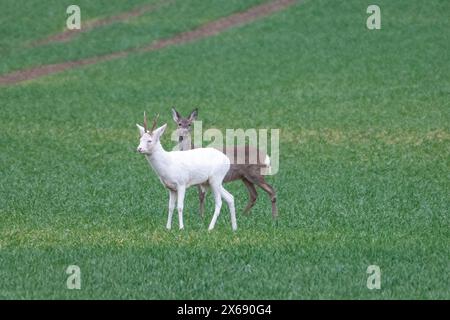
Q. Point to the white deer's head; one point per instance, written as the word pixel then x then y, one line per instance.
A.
pixel 149 139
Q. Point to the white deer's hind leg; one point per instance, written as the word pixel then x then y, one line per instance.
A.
pixel 218 202
pixel 229 199
pixel 181 190
pixel 172 201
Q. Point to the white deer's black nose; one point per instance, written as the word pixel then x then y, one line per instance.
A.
pixel 139 149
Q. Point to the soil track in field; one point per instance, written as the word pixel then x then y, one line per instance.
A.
pixel 209 29
pixel 88 26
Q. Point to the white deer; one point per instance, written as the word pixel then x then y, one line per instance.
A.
pixel 178 170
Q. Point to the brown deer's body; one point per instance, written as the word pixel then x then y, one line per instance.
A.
pixel 240 168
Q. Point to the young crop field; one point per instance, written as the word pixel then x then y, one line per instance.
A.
pixel 364 148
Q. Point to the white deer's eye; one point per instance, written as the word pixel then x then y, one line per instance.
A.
pixel 149 141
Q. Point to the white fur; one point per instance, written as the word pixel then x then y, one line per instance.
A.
pixel 178 170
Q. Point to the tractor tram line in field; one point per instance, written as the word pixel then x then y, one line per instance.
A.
pixel 209 29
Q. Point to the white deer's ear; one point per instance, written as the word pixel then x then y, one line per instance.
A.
pixel 141 129
pixel 158 132
pixel 175 115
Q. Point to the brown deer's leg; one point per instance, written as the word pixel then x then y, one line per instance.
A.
pixel 201 197
pixel 252 193
pixel 261 182
pixel 273 197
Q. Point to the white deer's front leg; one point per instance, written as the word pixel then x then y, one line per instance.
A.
pixel 180 202
pixel 218 201
pixel 172 201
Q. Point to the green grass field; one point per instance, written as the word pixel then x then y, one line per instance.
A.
pixel 364 153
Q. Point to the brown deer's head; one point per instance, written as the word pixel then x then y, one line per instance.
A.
pixel 184 125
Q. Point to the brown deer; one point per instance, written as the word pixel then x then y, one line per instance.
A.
pixel 249 173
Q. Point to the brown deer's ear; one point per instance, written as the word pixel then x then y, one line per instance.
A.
pixel 175 115
pixel 193 115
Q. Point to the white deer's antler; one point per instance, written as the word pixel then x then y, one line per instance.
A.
pixel 155 121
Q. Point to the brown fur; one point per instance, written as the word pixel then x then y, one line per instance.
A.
pixel 240 168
